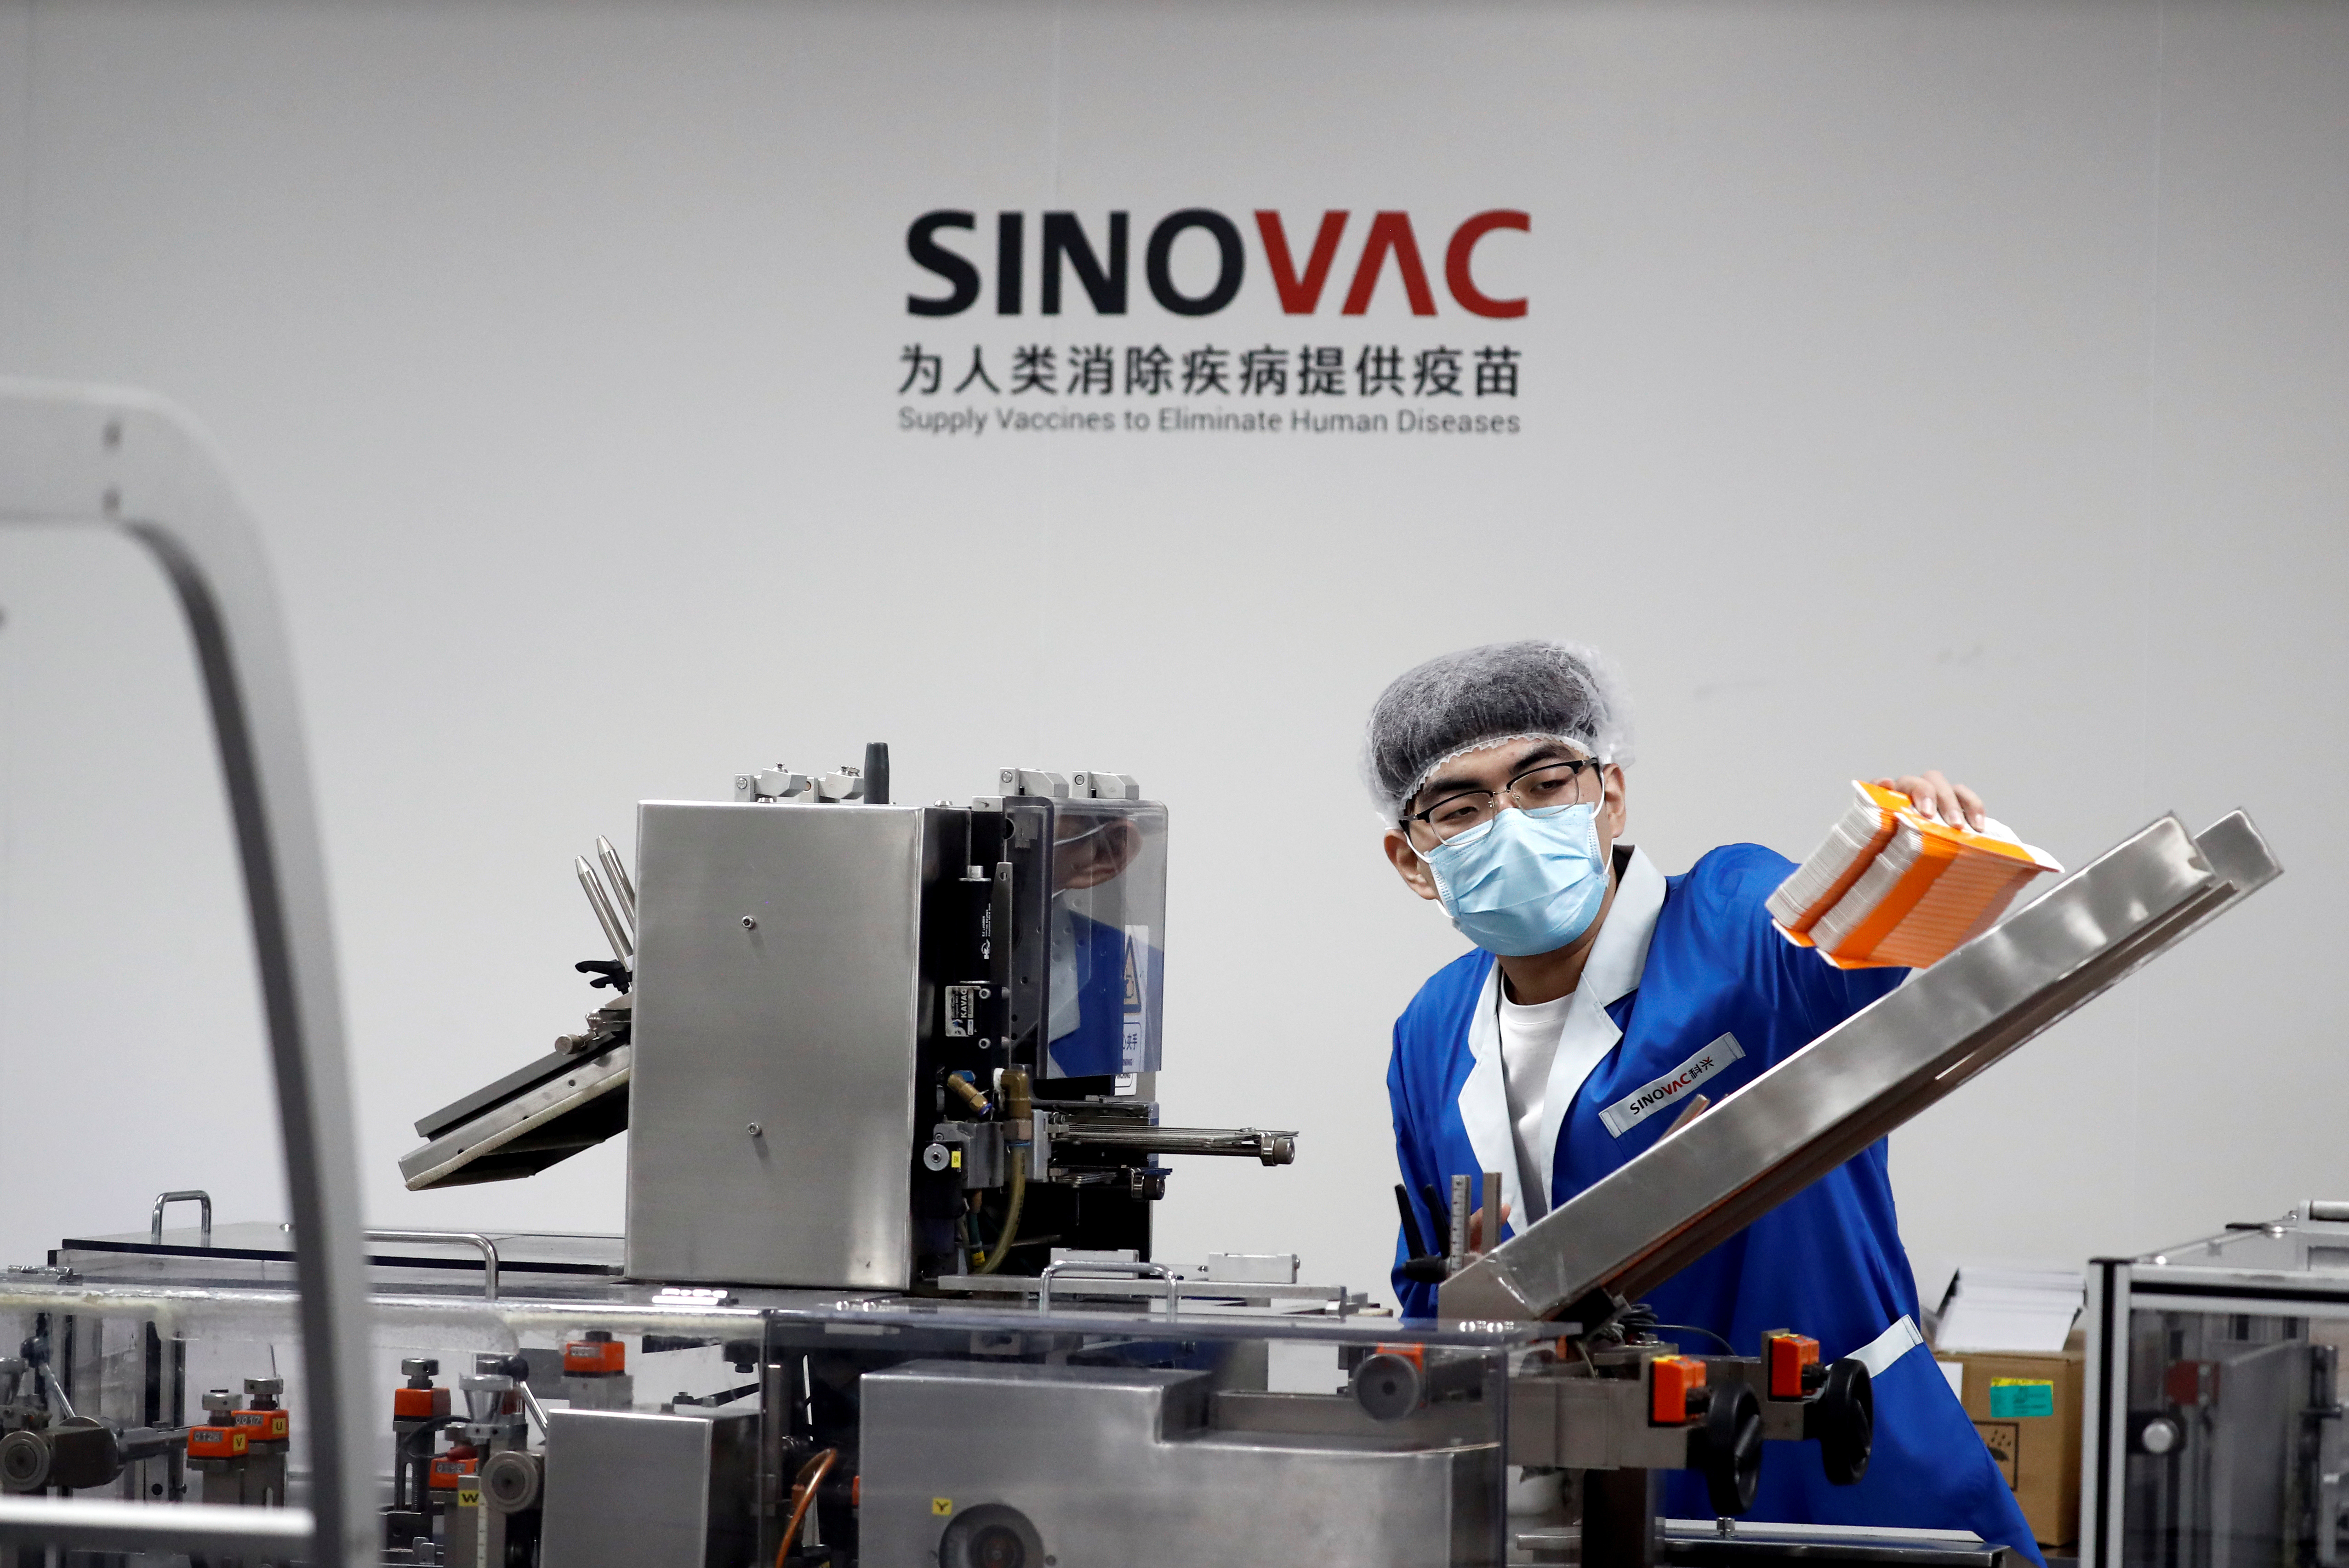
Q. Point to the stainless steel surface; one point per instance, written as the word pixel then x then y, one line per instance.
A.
pixel 1250 1142
pixel 805 1023
pixel 488 1250
pixel 634 1489
pixel 1689 1192
pixel 1099 1266
pixel 1589 1423
pixel 573 1088
pixel 600 902
pixel 1121 1466
pixel 129 462
pixel 192 1195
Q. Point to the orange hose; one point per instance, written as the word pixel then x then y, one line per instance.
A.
pixel 803 1487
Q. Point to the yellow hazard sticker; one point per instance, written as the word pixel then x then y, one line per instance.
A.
pixel 941 1506
pixel 468 1497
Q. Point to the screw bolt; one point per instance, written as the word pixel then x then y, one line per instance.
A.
pixel 755 1131
pixel 750 922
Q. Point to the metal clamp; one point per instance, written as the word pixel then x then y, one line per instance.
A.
pixel 1110 1265
pixel 192 1195
pixel 488 1251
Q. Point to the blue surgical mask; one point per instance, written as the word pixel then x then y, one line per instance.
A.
pixel 1526 884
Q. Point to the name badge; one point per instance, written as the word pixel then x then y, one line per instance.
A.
pixel 1672 1089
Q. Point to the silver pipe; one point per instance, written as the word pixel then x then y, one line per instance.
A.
pixel 472 1238
pixel 1272 1148
pixel 601 904
pixel 624 892
pixel 192 1195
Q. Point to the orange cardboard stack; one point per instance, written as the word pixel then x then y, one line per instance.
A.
pixel 1892 886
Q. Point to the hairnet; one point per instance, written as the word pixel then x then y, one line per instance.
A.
pixel 1502 691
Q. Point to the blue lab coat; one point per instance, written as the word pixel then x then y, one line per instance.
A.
pixel 1098 1041
pixel 1677 966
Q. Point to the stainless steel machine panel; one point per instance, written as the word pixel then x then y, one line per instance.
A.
pixel 776 997
pixel 634 1489
pixel 1112 1468
pixel 2217 1434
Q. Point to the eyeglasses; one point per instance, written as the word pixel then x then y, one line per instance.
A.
pixel 1542 791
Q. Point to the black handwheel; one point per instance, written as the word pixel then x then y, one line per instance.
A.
pixel 1843 1418
pixel 1726 1449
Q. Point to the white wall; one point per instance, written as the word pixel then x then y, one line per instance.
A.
pixel 1907 385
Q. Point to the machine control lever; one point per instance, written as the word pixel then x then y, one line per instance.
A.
pixel 1271 1148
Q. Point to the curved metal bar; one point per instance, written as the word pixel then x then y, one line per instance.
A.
pixel 133 463
pixel 1076 1267
pixel 191 1195
pixel 473 1238
pixel 106 1524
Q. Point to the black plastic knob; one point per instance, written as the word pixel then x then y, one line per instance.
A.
pixel 1726 1448
pixel 1842 1417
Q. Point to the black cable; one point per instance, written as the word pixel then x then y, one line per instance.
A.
pixel 1639 1318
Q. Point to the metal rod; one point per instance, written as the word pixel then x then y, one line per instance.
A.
pixel 530 1403
pixel 624 892
pixel 472 1238
pixel 57 1390
pixel 191 1195
pixel 1272 1148
pixel 622 949
pixel 198 1529
pixel 1492 1206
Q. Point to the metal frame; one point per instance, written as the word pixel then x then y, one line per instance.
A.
pixel 131 463
pixel 2103 1415
pixel 1694 1189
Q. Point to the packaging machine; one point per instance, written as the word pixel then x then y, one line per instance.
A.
pixel 887 1294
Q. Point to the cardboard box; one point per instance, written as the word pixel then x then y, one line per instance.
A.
pixel 2026 1405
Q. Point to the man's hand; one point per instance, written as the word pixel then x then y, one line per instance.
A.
pixel 1938 799
pixel 1476 1229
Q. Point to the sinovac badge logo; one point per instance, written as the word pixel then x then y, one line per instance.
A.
pixel 1673 1090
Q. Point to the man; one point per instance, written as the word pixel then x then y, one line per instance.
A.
pixel 1594 977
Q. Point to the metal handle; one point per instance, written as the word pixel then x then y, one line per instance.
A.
pixel 192 1195
pixel 1114 1266
pixel 127 462
pixel 488 1251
